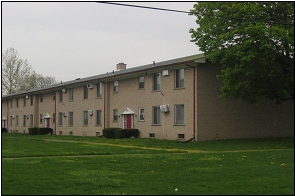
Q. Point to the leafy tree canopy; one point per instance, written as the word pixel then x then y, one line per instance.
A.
pixel 254 43
pixel 17 74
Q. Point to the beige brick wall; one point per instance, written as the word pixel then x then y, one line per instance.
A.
pixel 228 119
pixel 215 118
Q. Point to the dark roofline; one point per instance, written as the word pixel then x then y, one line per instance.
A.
pixel 108 76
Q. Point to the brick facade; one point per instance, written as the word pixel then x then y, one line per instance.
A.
pixel 195 109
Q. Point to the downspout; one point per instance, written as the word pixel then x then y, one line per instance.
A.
pixel 55 112
pixel 194 104
pixel 104 105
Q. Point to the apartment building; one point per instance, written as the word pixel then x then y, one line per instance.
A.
pixel 176 99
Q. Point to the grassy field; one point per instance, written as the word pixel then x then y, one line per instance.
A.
pixel 71 165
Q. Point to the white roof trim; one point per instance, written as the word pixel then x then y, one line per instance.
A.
pixel 47 116
pixel 127 111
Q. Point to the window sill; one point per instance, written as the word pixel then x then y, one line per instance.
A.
pixel 156 125
pixel 179 125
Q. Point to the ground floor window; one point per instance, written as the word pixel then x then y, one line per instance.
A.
pixel 156 115
pixel 179 114
pixel 152 135
pixel 180 136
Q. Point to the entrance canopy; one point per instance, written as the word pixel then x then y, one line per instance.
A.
pixel 127 111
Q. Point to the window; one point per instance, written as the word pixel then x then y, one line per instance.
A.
pixel 53 117
pixel 41 118
pixel 85 118
pixel 60 118
pixel 32 99
pixel 31 120
pixel 141 114
pixel 25 119
pixel 16 120
pixel 98 89
pixel 156 115
pixel 116 86
pixel 71 132
pixel 180 136
pixel 71 118
pixel 179 78
pixel 11 103
pixel 141 82
pixel 53 95
pixel 16 102
pixel 157 82
pixel 179 114
pixel 98 117
pixel 152 135
pixel 41 98
pixel 60 132
pixel 85 92
pixel 115 114
pixel 25 101
pixel 11 117
pixel 71 94
pixel 60 96
pixel 97 134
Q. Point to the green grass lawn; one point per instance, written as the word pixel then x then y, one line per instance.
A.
pixel 72 165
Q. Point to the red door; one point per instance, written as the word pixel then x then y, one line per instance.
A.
pixel 128 121
pixel 47 122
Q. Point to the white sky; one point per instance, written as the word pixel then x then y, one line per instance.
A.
pixel 69 40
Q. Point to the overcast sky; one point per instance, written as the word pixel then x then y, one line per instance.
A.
pixel 69 40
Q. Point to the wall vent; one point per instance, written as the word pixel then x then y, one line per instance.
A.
pixel 89 85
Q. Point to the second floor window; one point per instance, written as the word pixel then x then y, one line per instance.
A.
pixel 157 82
pixel 32 99
pixel 60 96
pixel 85 92
pixel 116 86
pixel 98 89
pixel 71 94
pixel 179 78
pixel 141 82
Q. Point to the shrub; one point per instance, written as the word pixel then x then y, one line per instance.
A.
pixel 40 131
pixel 4 130
pixel 33 131
pixel 109 132
pixel 126 133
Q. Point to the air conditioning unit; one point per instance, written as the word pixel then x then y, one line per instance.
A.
pixel 165 72
pixel 164 108
pixel 27 96
pixel 89 85
pixel 64 114
pixel 64 90
pixel 27 116
pixel 90 112
pixel 12 116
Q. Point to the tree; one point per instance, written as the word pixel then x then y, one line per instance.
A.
pixel 17 74
pixel 254 43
